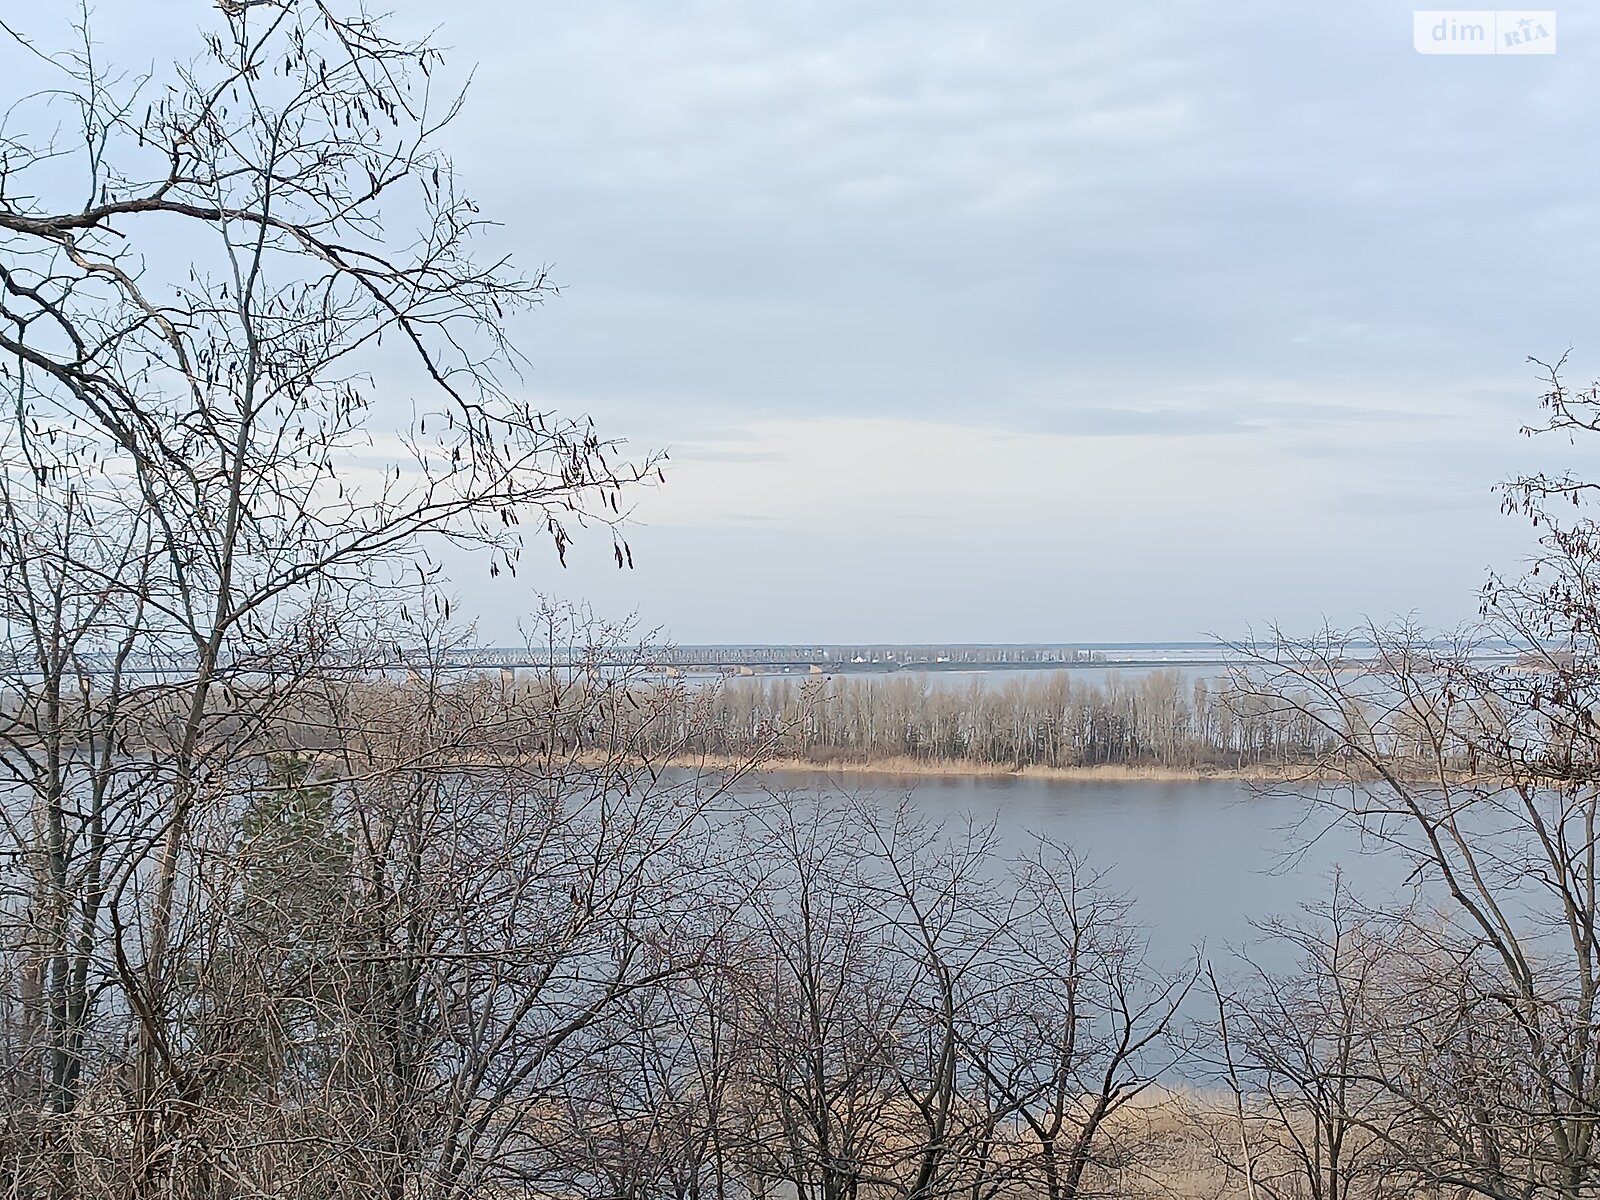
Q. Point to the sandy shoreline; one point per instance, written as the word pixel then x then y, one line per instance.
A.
pixel 971 768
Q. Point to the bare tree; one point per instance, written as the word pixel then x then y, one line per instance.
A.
pixel 1299 1052
pixel 930 1020
pixel 1069 1028
pixel 828 1006
pixel 1484 774
pixel 214 510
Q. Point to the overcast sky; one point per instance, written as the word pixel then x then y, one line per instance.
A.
pixel 1033 321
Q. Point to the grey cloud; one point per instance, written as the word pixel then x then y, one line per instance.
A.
pixel 1411 498
pixel 1124 220
pixel 682 452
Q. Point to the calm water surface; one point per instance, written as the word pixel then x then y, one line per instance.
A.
pixel 1201 859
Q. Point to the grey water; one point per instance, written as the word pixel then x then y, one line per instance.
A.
pixel 1204 862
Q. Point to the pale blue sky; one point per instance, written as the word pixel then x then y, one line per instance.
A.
pixel 1028 320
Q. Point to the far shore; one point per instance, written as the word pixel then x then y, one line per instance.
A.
pixel 956 768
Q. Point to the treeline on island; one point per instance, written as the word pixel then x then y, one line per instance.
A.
pixel 1160 723
pixel 1056 721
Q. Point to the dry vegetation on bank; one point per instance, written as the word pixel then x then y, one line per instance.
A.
pixel 915 768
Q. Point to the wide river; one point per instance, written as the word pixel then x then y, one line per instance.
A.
pixel 1202 860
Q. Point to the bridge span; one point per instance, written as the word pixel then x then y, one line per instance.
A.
pixel 829 658
pixel 749 659
pixel 741 660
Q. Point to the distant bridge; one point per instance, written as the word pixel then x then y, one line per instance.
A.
pixel 813 658
pixel 837 657
pixel 747 660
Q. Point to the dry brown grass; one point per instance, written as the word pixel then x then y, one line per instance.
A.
pixel 906 767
